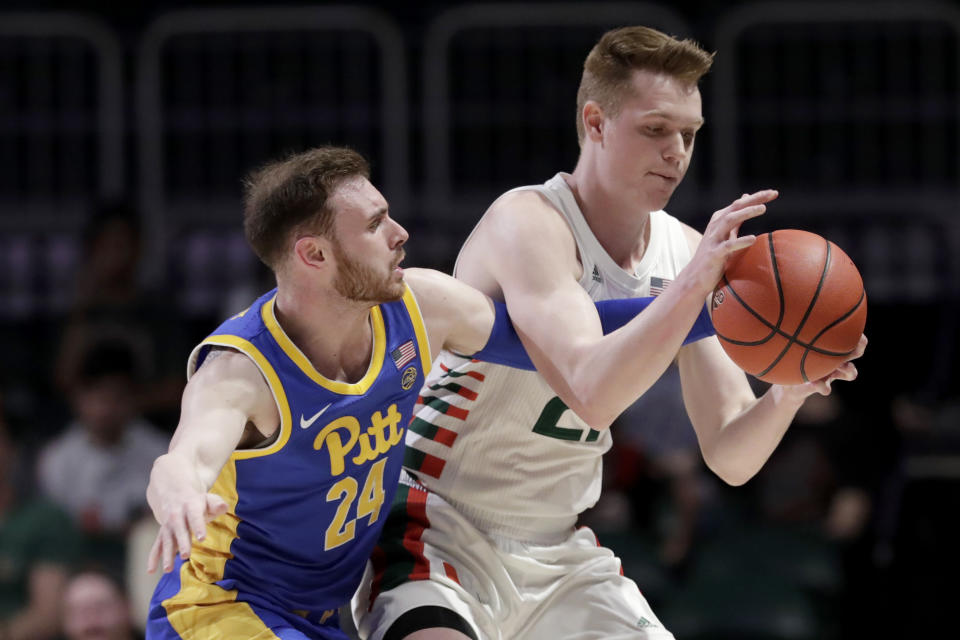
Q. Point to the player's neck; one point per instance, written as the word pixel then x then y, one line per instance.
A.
pixel 332 332
pixel 622 228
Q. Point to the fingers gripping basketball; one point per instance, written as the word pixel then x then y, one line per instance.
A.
pixel 790 308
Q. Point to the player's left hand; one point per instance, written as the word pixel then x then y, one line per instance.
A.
pixel 846 371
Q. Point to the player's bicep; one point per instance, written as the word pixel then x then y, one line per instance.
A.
pixel 557 323
pixel 533 256
pixel 218 402
pixel 457 316
pixel 554 319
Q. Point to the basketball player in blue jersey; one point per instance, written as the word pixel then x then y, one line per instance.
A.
pixel 482 542
pixel 290 441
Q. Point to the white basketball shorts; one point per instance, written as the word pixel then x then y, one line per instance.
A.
pixel 434 568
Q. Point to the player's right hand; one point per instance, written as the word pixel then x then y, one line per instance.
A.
pixel 721 240
pixel 181 507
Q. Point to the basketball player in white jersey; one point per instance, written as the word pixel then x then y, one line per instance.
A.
pixel 481 542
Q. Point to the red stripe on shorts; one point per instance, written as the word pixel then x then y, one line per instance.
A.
pixel 451 572
pixel 379 561
pixel 417 512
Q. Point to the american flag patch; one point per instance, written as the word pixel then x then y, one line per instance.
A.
pixel 403 354
pixel 657 285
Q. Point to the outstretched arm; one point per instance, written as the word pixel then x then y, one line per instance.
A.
pixel 462 319
pixel 525 250
pixel 227 394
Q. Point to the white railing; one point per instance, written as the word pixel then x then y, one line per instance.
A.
pixel 442 34
pixel 26 32
pixel 392 157
pixel 776 19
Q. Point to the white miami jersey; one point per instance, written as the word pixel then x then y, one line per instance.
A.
pixel 496 442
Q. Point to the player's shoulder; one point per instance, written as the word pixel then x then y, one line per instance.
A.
pixel 228 377
pixel 223 364
pixel 436 292
pixel 421 276
pixel 427 284
pixel 521 228
pixel 522 196
pixel 522 213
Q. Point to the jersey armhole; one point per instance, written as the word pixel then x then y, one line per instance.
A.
pixel 419 329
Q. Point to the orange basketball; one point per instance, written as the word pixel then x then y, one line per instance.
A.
pixel 790 308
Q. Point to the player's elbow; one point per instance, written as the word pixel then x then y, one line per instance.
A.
pixel 728 470
pixel 734 479
pixel 583 394
pixel 593 410
pixel 598 420
pixel 732 474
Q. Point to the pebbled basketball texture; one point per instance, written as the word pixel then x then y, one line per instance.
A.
pixel 790 308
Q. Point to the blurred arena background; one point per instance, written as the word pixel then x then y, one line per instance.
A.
pixel 125 132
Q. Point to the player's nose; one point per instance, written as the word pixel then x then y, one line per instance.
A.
pixel 400 235
pixel 675 150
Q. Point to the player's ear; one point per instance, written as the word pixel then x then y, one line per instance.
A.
pixel 592 115
pixel 312 251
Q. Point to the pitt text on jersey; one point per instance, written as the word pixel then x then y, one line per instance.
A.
pixel 383 433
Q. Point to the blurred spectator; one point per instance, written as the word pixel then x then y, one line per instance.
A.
pixel 914 551
pixel 95 608
pixel 37 548
pixel 99 467
pixel 140 584
pixel 828 469
pixel 799 481
pixel 111 303
pixel 829 477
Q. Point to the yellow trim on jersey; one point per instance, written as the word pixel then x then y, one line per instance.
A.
pixel 210 556
pixel 223 620
pixel 343 388
pixel 279 395
pixel 201 609
pixel 419 328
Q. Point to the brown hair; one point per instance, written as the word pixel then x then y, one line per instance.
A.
pixel 286 195
pixel 610 65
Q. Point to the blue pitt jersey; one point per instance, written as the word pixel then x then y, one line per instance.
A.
pixel 306 509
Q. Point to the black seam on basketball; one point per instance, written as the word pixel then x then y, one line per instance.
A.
pixel 776 278
pixel 793 339
pixel 803 359
pixel 752 343
pixel 799 343
pixel 774 329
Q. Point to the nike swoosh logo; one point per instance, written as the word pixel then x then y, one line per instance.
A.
pixel 305 424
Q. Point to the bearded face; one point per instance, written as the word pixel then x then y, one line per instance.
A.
pixel 356 280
